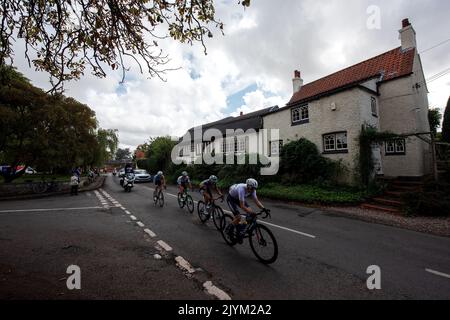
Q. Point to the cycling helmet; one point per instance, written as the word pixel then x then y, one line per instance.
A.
pixel 184 174
pixel 252 183
pixel 213 179
pixel 160 173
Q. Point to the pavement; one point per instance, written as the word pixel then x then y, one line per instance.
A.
pixel 127 248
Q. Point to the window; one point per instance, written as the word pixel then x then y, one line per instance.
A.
pixel 335 142
pixel 228 145
pixel 373 105
pixel 300 115
pixel 395 147
pixel 199 149
pixel 275 147
pixel 240 145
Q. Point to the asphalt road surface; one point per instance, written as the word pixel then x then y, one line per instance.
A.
pixel 127 248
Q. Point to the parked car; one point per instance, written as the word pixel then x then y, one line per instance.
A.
pixel 30 170
pixel 142 176
pixel 121 173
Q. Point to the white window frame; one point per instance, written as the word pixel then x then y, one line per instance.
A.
pixel 300 114
pixel 278 144
pixel 335 137
pixel 374 106
pixel 395 147
pixel 241 145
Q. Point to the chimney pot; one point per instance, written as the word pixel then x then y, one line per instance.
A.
pixel 405 23
pixel 297 74
pixel 242 113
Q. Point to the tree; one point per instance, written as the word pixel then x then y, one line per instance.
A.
pixel 446 123
pixel 434 118
pixel 68 36
pixel 108 142
pixel 123 154
pixel 49 132
pixel 159 153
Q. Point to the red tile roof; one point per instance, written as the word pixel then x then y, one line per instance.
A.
pixel 392 64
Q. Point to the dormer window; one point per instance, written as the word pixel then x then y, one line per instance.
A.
pixel 300 115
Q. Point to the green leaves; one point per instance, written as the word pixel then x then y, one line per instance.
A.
pixel 73 35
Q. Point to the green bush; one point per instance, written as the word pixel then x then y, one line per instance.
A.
pixel 312 194
pixel 301 162
pixel 434 201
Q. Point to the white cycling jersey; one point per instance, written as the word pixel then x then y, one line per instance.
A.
pixel 239 191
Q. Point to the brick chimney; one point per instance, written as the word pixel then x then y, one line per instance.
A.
pixel 242 113
pixel 297 82
pixel 407 35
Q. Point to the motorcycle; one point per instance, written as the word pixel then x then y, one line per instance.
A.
pixel 128 182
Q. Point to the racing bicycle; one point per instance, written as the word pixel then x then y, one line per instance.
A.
pixel 262 241
pixel 185 200
pixel 158 198
pixel 206 212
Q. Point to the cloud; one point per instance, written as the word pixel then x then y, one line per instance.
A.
pixel 263 45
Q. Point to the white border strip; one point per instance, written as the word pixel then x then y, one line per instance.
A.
pixel 441 274
pixel 164 245
pixel 213 290
pixel 50 209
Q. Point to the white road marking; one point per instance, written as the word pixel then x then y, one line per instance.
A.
pixel 127 212
pixel 157 256
pixel 270 224
pixel 183 264
pixel 213 290
pixel 140 224
pixel 150 233
pixel 164 245
pixel 133 218
pixel 50 209
pixel 441 274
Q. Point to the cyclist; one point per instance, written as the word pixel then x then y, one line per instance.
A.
pixel 160 182
pixel 206 188
pixel 236 199
pixel 183 181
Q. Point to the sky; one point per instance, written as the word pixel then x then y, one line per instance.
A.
pixel 251 67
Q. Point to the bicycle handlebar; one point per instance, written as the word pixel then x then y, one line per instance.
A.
pixel 266 212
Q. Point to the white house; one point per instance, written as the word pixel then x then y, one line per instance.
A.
pixel 388 92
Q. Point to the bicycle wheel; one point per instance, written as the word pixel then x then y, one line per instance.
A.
pixel 190 204
pixel 263 244
pixel 229 231
pixel 161 199
pixel 217 217
pixel 181 202
pixel 39 187
pixel 201 210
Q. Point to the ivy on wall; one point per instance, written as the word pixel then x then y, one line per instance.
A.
pixel 369 136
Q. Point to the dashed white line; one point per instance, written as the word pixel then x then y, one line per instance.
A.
pixel 437 273
pixel 140 224
pixel 164 245
pixel 150 233
pixel 213 290
pixel 133 218
pixel 183 264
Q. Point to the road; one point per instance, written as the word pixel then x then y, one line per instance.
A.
pixel 112 236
